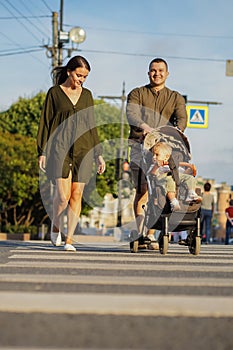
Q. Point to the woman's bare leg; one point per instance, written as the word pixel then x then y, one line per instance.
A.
pixel 74 208
pixel 60 201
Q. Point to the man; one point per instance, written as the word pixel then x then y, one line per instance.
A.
pixel 207 211
pixel 149 107
pixel 229 223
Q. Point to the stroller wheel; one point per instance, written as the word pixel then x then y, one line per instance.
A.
pixel 134 246
pixel 163 244
pixel 134 241
pixel 195 245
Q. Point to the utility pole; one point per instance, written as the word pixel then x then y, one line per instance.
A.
pixel 60 44
pixel 121 151
pixel 55 39
pixel 76 36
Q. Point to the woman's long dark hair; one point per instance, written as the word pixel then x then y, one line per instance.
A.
pixel 60 73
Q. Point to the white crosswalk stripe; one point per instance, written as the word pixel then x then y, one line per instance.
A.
pixel 146 274
pixel 104 297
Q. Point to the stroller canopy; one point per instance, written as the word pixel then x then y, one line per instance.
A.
pixel 174 137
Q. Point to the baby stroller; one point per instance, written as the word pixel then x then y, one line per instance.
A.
pixel 158 213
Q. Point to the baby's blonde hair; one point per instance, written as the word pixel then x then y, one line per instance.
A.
pixel 162 146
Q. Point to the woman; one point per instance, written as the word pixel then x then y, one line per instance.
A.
pixel 207 211
pixel 67 142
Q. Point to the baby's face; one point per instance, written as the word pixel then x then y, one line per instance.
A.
pixel 159 156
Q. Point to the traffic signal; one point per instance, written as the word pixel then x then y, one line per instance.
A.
pixel 122 169
pixel 126 170
pixel 125 166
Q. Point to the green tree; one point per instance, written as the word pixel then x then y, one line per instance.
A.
pixel 19 190
pixel 23 116
pixel 20 198
pixel 108 119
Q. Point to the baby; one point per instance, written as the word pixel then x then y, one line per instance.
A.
pixel 161 154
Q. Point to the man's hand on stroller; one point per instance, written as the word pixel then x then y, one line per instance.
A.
pixel 146 130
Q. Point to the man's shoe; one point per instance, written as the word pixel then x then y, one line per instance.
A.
pixel 142 242
pixel 183 242
pixel 153 245
pixel 55 238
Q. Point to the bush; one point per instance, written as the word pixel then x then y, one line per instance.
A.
pixel 20 229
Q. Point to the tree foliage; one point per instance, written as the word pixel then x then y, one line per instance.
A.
pixel 20 198
pixel 23 116
pixel 108 119
pixel 19 187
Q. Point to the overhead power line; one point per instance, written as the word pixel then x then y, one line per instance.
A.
pixel 38 20
pixel 20 52
pixel 200 36
pixel 46 5
pixel 10 53
pixel 26 18
pixel 23 17
pixel 19 47
pixel 150 55
pixel 22 24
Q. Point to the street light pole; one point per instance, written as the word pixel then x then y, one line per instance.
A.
pixel 119 211
pixel 121 151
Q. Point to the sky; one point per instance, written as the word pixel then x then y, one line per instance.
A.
pixel 195 38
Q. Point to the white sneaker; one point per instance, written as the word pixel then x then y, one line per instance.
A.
pixel 151 237
pixel 69 247
pixel 175 204
pixel 55 238
pixel 192 196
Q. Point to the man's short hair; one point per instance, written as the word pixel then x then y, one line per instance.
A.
pixel 158 60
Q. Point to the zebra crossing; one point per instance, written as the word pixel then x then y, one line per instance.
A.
pixel 107 280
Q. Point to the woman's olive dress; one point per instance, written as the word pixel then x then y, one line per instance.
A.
pixel 67 135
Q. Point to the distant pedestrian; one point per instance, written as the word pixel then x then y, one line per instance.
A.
pixel 180 237
pixel 207 211
pixel 229 222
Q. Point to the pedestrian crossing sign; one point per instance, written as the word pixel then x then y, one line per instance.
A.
pixel 197 116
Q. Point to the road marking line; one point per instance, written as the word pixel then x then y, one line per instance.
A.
pixel 124 266
pixel 103 304
pixel 118 280
pixel 133 258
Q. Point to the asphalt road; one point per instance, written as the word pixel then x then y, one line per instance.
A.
pixel 104 297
